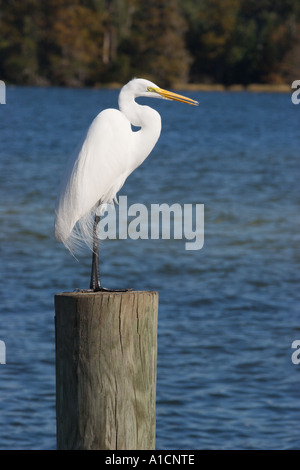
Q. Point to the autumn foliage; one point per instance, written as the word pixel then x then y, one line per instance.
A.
pixel 93 42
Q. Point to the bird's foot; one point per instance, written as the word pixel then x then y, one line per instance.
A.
pixel 105 289
pixel 101 289
pixel 83 290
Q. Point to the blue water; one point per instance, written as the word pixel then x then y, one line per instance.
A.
pixel 228 313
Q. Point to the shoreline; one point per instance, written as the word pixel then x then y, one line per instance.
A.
pixel 253 87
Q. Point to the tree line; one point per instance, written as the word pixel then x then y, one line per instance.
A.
pixel 94 42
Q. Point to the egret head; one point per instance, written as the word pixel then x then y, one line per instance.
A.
pixel 142 87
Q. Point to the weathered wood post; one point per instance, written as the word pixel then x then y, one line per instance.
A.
pixel 106 351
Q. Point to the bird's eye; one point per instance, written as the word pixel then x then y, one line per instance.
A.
pixel 151 89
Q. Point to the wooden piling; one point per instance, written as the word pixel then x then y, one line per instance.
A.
pixel 106 351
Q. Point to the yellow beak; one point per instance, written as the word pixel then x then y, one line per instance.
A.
pixel 169 95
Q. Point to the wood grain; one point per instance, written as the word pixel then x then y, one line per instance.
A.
pixel 106 354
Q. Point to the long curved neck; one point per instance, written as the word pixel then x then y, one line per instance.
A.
pixel 144 117
pixel 138 115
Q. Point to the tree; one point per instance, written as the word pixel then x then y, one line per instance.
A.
pixel 157 45
pixel 85 42
pixel 240 41
pixel 76 41
pixel 19 39
pixel 212 24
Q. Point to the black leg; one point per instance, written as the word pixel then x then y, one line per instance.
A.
pixel 95 276
pixel 95 284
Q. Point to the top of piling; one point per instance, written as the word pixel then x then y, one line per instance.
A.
pixel 79 293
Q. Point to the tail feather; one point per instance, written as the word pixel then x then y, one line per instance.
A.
pixel 74 235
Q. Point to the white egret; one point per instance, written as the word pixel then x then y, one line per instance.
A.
pixel 110 152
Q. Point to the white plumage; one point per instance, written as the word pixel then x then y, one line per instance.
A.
pixel 109 153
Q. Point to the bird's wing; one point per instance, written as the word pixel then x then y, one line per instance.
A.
pixel 96 172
